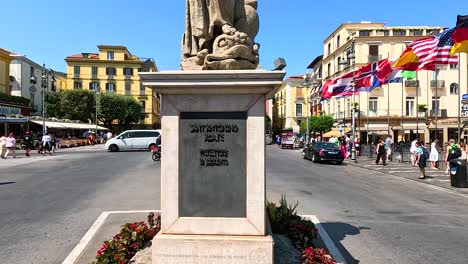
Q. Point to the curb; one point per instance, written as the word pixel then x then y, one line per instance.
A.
pixel 73 256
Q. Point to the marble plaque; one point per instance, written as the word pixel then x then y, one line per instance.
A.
pixel 212 176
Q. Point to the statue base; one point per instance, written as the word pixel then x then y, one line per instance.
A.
pixel 212 249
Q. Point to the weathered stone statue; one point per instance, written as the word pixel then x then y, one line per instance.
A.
pixel 220 35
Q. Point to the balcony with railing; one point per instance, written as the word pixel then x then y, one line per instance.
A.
pixel 110 76
pixel 411 83
pixel 438 113
pixel 438 84
pixel 374 58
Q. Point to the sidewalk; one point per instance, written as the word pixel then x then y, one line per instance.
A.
pixel 21 158
pixel 433 177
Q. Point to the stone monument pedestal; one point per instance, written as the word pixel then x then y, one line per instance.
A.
pixel 213 166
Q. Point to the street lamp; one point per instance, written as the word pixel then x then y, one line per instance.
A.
pixel 97 89
pixel 46 73
pixel 350 56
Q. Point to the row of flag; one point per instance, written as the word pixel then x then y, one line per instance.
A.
pixel 421 54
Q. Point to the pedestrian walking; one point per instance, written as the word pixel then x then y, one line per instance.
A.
pixel 28 143
pixel 343 148
pixel 452 152
pixel 463 150
pixel 434 155
pixel 91 139
pixel 10 145
pixel 108 135
pixel 46 144
pixel 381 153
pixel 413 151
pixel 2 147
pixel 388 147
pixel 421 158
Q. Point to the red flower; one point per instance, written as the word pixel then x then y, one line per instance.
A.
pixel 132 226
pixel 122 262
pixel 117 257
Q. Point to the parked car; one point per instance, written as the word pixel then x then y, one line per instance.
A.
pixel 133 139
pixel 323 151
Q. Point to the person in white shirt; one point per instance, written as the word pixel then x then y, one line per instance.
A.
pixel 2 147
pixel 10 145
pixel 413 151
pixel 46 144
pixel 108 135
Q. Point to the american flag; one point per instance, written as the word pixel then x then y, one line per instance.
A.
pixel 434 50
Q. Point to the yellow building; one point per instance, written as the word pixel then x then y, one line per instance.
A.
pixel 290 104
pixel 115 70
pixel 60 81
pixel 5 60
pixel 393 108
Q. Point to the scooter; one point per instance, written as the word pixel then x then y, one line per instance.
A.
pixel 156 153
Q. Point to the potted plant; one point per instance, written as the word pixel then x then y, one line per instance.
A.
pixel 422 110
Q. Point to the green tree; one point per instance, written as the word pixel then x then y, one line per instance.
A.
pixel 303 126
pixel 268 128
pixel 78 105
pixel 112 108
pixel 321 123
pixel 54 104
pixel 133 111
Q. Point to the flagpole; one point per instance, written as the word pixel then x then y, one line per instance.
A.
pixel 417 106
pixel 402 107
pixel 459 100
pixel 436 111
pixel 388 108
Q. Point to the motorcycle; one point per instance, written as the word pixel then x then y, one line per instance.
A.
pixel 156 153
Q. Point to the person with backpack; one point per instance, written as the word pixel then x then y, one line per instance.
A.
pixel 422 154
pixel 452 152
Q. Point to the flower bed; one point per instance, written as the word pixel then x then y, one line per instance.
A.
pixel 131 238
pixel 283 218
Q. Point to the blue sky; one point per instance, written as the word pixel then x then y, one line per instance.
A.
pixel 48 31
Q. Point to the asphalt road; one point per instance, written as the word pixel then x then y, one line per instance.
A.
pixel 47 206
pixel 373 217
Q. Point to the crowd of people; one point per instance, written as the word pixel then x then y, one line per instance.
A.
pixel 421 154
pixel 47 143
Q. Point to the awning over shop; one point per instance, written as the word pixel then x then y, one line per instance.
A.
pixel 13 120
pixel 68 125
pixel 335 133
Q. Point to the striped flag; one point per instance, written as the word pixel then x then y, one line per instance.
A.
pixel 434 50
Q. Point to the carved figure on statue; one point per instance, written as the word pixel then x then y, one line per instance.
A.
pixel 220 35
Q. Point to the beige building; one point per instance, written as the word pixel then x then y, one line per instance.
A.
pixel 290 105
pixel 115 70
pixel 393 108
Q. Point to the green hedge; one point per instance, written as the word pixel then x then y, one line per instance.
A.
pixel 14 99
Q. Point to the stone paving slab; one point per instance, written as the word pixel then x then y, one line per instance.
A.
pixel 434 177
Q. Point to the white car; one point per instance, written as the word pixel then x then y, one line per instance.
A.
pixel 133 139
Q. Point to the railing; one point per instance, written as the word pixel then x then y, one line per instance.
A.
pixel 94 76
pixel 439 113
pixel 374 58
pixel 110 76
pixel 411 83
pixel 401 153
pixel 127 77
pixel 438 84
pixel 76 75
